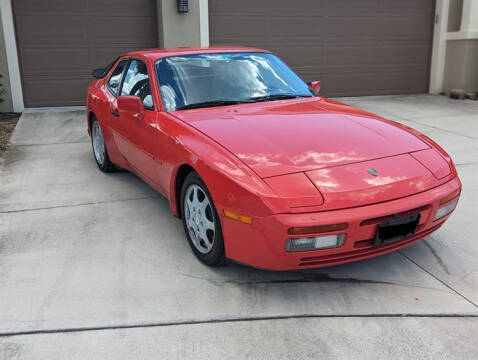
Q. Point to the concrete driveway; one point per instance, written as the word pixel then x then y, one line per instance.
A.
pixel 93 266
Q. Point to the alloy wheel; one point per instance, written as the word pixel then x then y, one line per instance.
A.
pixel 199 218
pixel 98 143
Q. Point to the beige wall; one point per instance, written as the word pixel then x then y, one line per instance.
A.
pixel 177 29
pixel 461 65
pixel 7 105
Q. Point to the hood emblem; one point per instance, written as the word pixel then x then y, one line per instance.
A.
pixel 372 171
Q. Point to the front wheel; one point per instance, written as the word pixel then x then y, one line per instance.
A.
pixel 200 221
pixel 99 148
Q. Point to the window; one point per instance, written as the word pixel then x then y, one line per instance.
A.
pixel 136 83
pixel 115 79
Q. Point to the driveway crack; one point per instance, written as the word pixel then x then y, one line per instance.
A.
pixel 229 320
pixel 49 144
pixel 305 278
pixel 437 257
pixel 80 204
pixel 438 279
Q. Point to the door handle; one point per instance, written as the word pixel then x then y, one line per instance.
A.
pixel 115 113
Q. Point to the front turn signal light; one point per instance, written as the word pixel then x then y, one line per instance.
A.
pixel 242 218
pixel 298 230
pixel 449 197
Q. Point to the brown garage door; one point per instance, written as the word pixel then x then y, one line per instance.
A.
pixel 61 41
pixel 356 47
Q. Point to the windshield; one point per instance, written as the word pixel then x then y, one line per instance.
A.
pixel 202 80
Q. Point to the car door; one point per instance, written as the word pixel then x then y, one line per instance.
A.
pixel 136 140
pixel 111 91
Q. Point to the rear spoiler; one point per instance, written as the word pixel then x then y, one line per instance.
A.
pixel 100 73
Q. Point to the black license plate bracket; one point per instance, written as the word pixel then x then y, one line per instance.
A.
pixel 397 228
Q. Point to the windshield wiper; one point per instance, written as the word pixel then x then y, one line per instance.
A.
pixel 273 97
pixel 212 103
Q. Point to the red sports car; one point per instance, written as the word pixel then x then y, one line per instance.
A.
pixel 259 167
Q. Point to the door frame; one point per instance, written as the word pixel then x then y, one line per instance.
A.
pixel 13 62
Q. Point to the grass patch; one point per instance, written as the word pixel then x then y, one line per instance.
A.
pixel 8 121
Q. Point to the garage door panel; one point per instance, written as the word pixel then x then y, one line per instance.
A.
pixel 34 29
pixel 51 92
pixel 232 26
pixel 124 28
pixel 369 54
pixel 353 5
pixel 265 8
pixel 61 41
pixel 53 6
pixel 252 7
pixel 116 7
pixel 53 59
pixel 393 81
pixel 301 55
pixel 298 27
pixel 416 27
pixel 409 5
pixel 122 7
pixel 299 8
pixel 363 47
pixel 345 26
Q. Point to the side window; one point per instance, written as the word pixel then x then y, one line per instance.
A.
pixel 115 79
pixel 136 83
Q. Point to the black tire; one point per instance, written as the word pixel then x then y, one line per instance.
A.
pixel 107 166
pixel 215 256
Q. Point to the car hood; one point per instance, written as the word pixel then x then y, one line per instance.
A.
pixel 283 137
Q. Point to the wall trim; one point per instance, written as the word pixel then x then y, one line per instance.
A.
pixel 159 23
pixel 462 35
pixel 204 22
pixel 12 55
pixel 437 68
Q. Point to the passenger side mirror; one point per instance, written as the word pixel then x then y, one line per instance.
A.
pixel 131 104
pixel 315 86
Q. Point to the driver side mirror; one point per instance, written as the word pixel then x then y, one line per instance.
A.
pixel 315 86
pixel 131 104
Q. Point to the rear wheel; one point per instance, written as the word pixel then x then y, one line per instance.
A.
pixel 200 221
pixel 99 148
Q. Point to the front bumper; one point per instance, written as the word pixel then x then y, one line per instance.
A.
pixel 262 244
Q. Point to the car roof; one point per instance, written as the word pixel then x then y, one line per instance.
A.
pixel 158 53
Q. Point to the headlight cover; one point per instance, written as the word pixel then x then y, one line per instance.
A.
pixel 445 210
pixel 315 242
